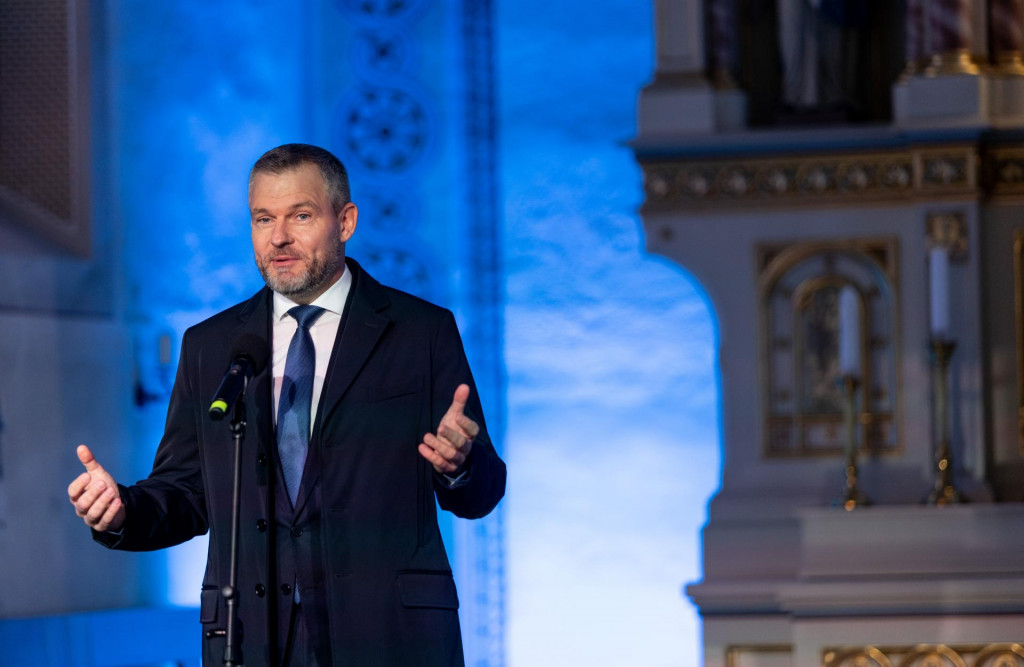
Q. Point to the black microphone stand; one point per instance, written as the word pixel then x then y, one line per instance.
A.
pixel 233 635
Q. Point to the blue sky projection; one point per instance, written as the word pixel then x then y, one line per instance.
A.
pixel 612 442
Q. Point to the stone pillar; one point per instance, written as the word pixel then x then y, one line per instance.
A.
pixel 1006 21
pixel 681 100
pixel 679 37
pixel 951 37
pixel 723 42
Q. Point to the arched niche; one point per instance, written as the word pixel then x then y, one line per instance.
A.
pixel 798 293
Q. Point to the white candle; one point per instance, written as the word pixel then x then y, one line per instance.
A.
pixel 849 332
pixel 938 269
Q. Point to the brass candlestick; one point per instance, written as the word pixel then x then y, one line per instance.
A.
pixel 944 492
pixel 852 496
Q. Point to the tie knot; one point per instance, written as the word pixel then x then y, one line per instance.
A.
pixel 306 315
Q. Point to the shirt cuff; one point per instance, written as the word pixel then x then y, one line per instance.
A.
pixel 454 482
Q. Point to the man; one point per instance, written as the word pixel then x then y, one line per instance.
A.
pixel 340 556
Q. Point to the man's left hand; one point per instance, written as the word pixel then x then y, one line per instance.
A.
pixel 447 451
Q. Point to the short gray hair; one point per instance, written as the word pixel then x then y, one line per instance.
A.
pixel 291 156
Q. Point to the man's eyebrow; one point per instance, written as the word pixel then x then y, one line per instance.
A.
pixel 301 204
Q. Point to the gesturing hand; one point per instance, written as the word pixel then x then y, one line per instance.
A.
pixel 447 450
pixel 94 495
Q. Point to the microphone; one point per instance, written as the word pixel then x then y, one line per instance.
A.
pixel 249 355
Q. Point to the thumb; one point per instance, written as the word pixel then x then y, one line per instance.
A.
pixel 460 398
pixel 88 460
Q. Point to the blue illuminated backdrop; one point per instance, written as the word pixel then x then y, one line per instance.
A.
pixel 403 92
pixel 613 418
pixel 486 144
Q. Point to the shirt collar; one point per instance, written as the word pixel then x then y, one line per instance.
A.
pixel 333 299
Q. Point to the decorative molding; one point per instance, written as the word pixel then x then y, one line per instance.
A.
pixel 485 614
pixel 938 173
pixel 389 126
pixel 381 10
pixel 740 655
pixel 382 51
pixel 385 129
pixel 1004 169
pixel 926 655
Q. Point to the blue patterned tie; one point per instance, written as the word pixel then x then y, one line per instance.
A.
pixel 293 410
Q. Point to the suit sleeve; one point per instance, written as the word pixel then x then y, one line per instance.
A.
pixel 486 471
pixel 168 507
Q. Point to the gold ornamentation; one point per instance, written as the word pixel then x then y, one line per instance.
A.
pixel 1000 655
pixel 812 179
pixel 948 173
pixel 869 656
pixel 738 655
pixel 852 495
pixel 958 61
pixel 798 286
pixel 926 655
pixel 944 492
pixel 938 173
pixel 1008 63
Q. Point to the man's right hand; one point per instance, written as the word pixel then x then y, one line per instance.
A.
pixel 95 496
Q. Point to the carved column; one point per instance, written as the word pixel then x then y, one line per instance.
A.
pixel 723 42
pixel 951 37
pixel 1006 21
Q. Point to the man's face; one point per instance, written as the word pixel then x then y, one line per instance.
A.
pixel 297 238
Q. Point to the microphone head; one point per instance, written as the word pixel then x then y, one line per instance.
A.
pixel 252 348
pixel 249 356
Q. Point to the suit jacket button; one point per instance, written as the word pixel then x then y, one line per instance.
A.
pixel 296 531
pixel 286 589
pixel 261 525
pixel 262 459
pixel 261 590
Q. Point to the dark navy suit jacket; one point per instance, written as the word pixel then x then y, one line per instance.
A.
pixel 362 540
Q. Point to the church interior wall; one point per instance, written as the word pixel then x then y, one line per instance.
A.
pixel 874 262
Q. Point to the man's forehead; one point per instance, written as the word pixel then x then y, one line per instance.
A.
pixel 305 177
pixel 303 169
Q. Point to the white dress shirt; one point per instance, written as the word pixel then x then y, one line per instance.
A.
pixel 324 332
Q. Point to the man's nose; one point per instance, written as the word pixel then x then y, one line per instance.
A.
pixel 280 235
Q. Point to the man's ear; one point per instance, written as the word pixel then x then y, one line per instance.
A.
pixel 348 216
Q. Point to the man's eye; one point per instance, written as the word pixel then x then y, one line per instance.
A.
pixel 261 221
pixel 303 217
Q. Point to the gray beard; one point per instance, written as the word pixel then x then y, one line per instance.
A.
pixel 306 284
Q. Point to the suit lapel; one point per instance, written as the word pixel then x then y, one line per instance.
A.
pixel 361 327
pixel 255 320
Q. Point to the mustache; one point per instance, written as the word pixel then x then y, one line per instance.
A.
pixel 282 255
